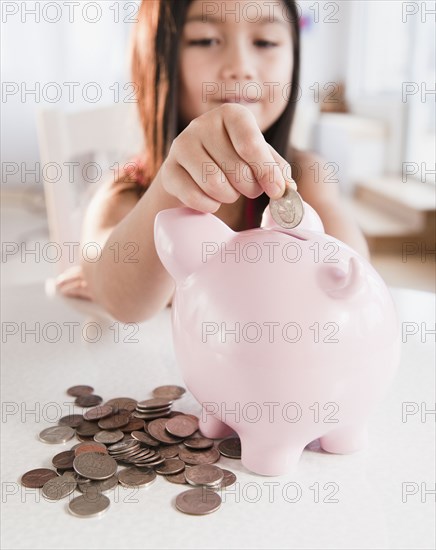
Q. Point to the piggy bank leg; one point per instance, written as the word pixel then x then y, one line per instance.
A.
pixel 273 459
pixel 347 439
pixel 213 427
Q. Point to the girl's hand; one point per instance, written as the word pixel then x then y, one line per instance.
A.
pixel 71 283
pixel 219 156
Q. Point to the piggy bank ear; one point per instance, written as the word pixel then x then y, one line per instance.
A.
pixel 310 220
pixel 185 239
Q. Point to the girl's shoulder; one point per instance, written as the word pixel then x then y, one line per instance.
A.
pixel 314 176
pixel 302 161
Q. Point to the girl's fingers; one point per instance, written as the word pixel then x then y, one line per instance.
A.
pixel 249 143
pixel 78 295
pixel 75 291
pixel 238 173
pixel 70 274
pixel 187 191
pixel 66 281
pixel 204 171
pixel 284 166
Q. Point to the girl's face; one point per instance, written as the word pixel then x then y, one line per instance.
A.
pixel 235 51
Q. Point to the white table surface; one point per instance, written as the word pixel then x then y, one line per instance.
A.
pixel 258 512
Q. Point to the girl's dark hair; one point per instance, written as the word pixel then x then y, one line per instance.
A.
pixel 154 67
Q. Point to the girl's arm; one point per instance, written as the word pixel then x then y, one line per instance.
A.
pixel 315 185
pixel 128 279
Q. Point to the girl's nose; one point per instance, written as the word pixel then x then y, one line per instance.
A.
pixel 237 64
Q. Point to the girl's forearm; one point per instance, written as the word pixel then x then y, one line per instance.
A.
pixel 129 280
pixel 339 224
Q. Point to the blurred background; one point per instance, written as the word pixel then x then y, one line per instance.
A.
pixel 367 105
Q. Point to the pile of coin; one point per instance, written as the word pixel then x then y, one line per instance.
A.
pixel 145 438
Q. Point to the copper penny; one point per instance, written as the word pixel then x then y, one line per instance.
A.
pixel 229 479
pixel 156 429
pixel 135 424
pixel 230 447
pixel 64 460
pixel 88 400
pixel 198 443
pixel 136 477
pixel 169 451
pixel 177 478
pixel 155 403
pixel 35 479
pixel 198 501
pixel 181 426
pixel 170 466
pixel 115 421
pixel 145 438
pixel 101 411
pixel 169 392
pixel 76 391
pixel 87 429
pixel 122 403
pixel 91 447
pixel 71 420
pixel 199 457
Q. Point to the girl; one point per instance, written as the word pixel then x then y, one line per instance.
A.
pixel 210 79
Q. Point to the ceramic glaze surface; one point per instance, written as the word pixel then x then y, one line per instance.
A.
pixel 283 336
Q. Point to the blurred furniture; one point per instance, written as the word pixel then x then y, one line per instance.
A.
pixel 391 213
pixel 78 151
pixel 355 144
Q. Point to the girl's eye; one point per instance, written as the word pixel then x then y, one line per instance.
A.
pixel 203 42
pixel 266 44
pixel 207 41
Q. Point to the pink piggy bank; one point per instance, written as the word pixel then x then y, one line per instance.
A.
pixel 283 336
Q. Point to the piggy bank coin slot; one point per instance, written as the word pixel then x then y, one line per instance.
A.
pixel 290 233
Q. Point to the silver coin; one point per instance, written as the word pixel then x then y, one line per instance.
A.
pixel 128 450
pixel 123 445
pixel 108 437
pixel 89 505
pixel 58 487
pixel 102 486
pixel 136 477
pixel 198 502
pixel 204 475
pixel 140 454
pixel 75 477
pixel 56 434
pixel 150 462
pixel 95 465
pixel 288 211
